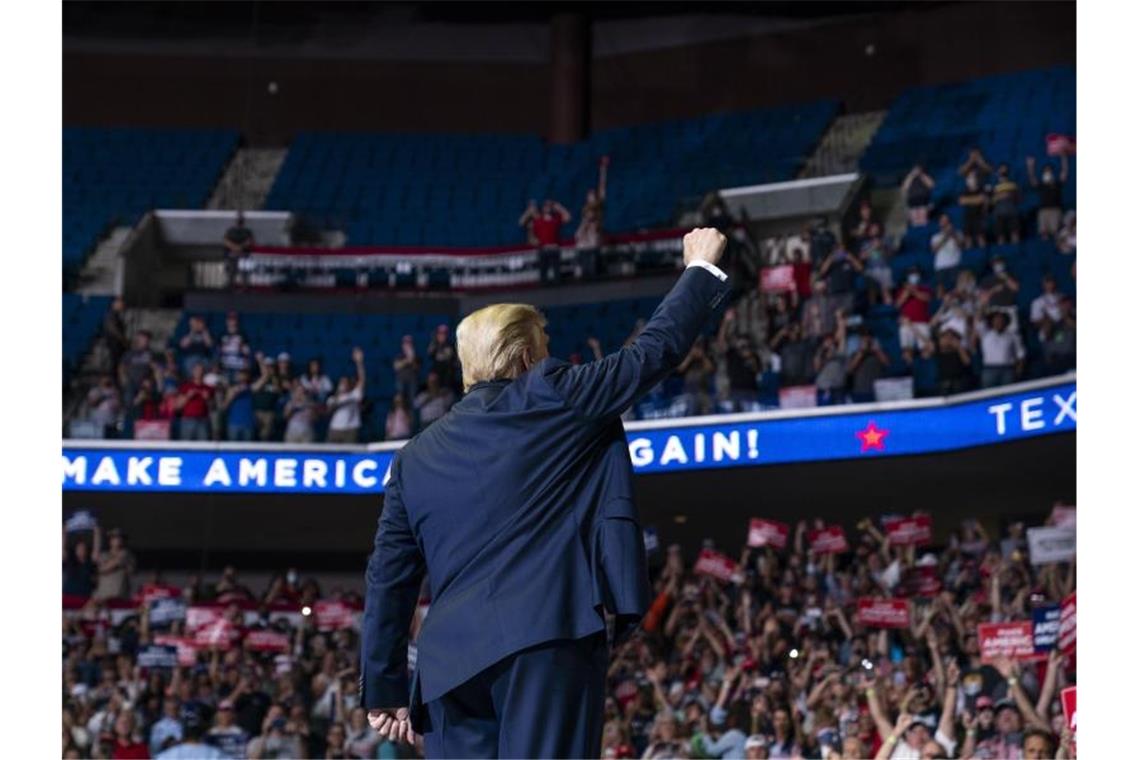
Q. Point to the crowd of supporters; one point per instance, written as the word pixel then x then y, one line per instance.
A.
pixel 772 660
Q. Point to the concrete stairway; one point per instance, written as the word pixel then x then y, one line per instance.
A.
pixel 843 144
pixel 102 272
pixel 246 182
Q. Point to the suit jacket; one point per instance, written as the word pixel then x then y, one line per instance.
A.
pixel 518 504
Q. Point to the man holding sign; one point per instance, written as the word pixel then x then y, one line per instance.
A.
pixel 518 505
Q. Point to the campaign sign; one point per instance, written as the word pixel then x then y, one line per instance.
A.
pixel 1067 627
pixel 267 641
pixel 781 279
pixel 799 397
pixel 1059 145
pixel 220 634
pixel 767 533
pixel 151 591
pixel 883 613
pixel 80 521
pixel 908 531
pixel 829 540
pixel 165 610
pixel 200 616
pixel 716 565
pixel 1069 706
pixel 1046 627
pixel 923 581
pixel 157 656
pixel 187 652
pixel 1013 640
pixel 1050 544
pixel 333 614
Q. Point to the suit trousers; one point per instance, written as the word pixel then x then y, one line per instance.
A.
pixel 544 701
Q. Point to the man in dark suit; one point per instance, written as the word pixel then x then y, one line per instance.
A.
pixel 518 505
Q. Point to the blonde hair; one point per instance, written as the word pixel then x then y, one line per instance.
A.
pixel 492 341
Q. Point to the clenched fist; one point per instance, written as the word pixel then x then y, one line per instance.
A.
pixel 704 244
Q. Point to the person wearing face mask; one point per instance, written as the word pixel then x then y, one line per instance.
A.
pixel 913 303
pixel 946 245
pixel 1049 205
pixel 1005 195
pixel 973 203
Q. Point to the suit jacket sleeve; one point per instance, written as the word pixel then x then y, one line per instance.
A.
pixel 605 388
pixel 393 578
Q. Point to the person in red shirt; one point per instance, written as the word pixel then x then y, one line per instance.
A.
pixel 913 302
pixel 544 227
pixel 194 398
pixel 127 744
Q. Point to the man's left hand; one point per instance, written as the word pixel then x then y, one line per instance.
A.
pixel 393 724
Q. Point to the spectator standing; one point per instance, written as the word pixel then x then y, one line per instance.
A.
pixel 913 302
pixel 946 245
pixel 145 404
pixel 192 746
pixel 1000 349
pixel 80 572
pixel 115 332
pixel 230 738
pixel 1047 305
pixel 999 289
pixel 955 366
pixel 399 424
pixel 867 364
pixel 285 370
pixel 697 370
pixel 839 270
pixel 127 744
pixel 818 312
pixel 588 236
pixel 973 203
pixel 315 382
pixel 876 261
pixel 194 398
pixel 104 406
pixel 1059 338
pixel 407 368
pixel 1049 203
pixel 526 221
pixel 197 346
pixel 434 400
pixel 1067 237
pixel 444 360
pixel 864 227
pixel 976 162
pixel 547 225
pixel 300 416
pixel 917 188
pixel 267 392
pixel 167 730
pixel 830 365
pixel 742 366
pixel 116 566
pixel 233 348
pixel 137 363
pixel 237 243
pixel 796 352
pixel 1006 194
pixel 346 403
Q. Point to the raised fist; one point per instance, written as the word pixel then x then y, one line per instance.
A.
pixel 704 244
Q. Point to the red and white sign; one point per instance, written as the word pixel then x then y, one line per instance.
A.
pixel 924 581
pixel 781 279
pixel 908 531
pixel 220 634
pixel 1069 705
pixel 883 613
pixel 267 641
pixel 1067 635
pixel 1013 640
pixel 829 540
pixel 767 533
pixel 799 397
pixel 333 614
pixel 152 430
pixel 198 617
pixel 187 651
pixel 151 591
pixel 717 565
pixel 1060 145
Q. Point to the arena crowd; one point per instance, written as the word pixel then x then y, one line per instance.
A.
pixel 770 652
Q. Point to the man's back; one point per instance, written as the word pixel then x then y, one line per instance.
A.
pixel 518 506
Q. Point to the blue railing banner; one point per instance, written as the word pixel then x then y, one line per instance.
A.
pixel 864 431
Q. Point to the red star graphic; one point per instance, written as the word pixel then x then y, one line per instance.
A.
pixel 872 437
